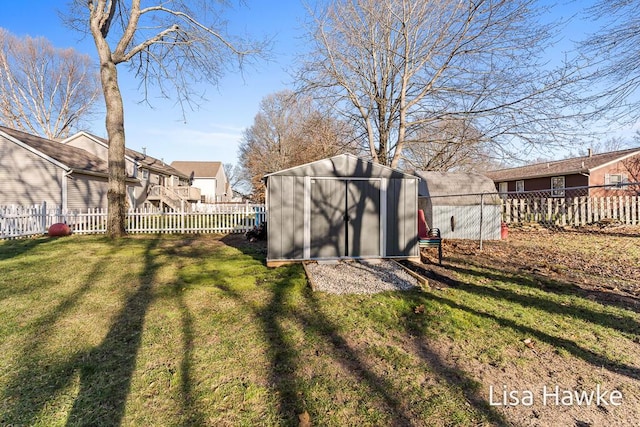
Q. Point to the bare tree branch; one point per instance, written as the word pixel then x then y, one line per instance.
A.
pixel 44 90
pixel 169 48
pixel 290 130
pixel 394 66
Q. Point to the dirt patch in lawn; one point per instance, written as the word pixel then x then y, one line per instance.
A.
pixel 602 264
pixel 544 377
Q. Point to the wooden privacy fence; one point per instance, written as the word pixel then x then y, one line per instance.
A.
pixel 19 221
pixel 572 211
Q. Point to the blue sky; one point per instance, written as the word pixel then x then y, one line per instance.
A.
pixel 213 133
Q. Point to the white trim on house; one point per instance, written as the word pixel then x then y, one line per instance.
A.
pixel 619 159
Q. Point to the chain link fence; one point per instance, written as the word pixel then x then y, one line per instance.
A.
pixel 489 216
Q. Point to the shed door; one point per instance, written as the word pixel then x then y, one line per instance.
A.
pixel 345 218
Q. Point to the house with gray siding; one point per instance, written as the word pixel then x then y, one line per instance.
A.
pixel 209 177
pixel 160 184
pixel 342 207
pixel 35 170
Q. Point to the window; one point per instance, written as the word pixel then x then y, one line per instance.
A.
pixel 520 186
pixel 614 179
pixel 503 188
pixel 557 186
pixel 145 173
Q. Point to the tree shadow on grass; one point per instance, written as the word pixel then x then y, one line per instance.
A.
pixel 15 248
pixel 572 347
pixel 621 323
pixel 380 386
pixel 537 281
pixel 257 250
pixel 105 372
pixel 285 359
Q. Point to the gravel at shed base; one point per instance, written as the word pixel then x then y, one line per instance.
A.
pixel 360 277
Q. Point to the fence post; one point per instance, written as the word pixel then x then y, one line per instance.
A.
pixel 43 211
pixel 481 217
pixel 182 225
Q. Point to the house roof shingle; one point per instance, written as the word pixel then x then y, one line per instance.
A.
pixel 74 158
pixel 150 162
pixel 576 165
pixel 199 169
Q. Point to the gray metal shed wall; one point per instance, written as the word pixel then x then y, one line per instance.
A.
pixel 466 220
pixel 402 218
pixel 285 200
pixel 285 223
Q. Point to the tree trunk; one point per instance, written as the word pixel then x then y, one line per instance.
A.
pixel 117 170
pixel 116 194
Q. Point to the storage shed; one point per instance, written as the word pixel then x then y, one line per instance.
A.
pixel 461 205
pixel 341 207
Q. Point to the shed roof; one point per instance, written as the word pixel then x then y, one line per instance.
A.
pixel 456 188
pixel 575 165
pixel 343 166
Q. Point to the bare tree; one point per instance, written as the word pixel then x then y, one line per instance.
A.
pixel 289 130
pixel 238 178
pixel 395 65
pixel 44 90
pixel 615 51
pixel 168 44
pixel 447 145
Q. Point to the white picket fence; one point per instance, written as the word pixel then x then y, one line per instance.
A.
pixel 573 211
pixel 23 221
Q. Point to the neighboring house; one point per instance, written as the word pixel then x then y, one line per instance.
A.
pixel 35 170
pixel 561 175
pixel 238 197
pixel 159 184
pixel 209 177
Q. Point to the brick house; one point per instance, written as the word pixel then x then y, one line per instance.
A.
pixel 559 176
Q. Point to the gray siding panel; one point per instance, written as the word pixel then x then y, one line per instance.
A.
pixel 466 221
pixel 297 224
pixel 363 201
pixel 86 192
pixel 27 179
pixel 274 225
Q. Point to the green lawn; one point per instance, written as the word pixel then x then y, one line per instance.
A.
pixel 174 330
